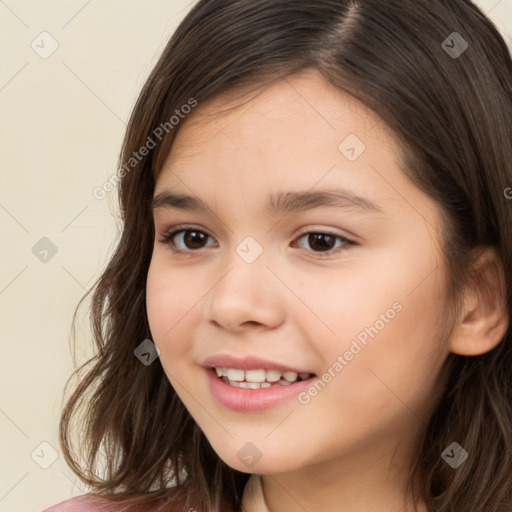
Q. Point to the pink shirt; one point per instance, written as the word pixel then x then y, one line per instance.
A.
pixel 86 503
pixel 252 501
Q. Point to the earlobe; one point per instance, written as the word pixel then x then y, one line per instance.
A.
pixel 484 319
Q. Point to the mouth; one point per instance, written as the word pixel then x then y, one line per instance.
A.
pixel 259 378
pixel 256 389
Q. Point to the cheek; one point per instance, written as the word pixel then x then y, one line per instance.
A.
pixel 383 322
pixel 170 298
pixel 394 373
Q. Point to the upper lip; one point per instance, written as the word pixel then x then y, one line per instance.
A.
pixel 248 363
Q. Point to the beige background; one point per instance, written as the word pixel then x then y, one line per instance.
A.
pixel 62 119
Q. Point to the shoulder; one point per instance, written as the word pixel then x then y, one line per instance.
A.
pixel 85 503
pixel 95 503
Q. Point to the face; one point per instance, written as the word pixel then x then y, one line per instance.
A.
pixel 345 289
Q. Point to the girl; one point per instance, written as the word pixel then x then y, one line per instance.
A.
pixel 309 305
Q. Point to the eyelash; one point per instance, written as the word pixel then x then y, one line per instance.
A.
pixel 167 239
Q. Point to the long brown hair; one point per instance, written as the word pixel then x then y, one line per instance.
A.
pixel 451 113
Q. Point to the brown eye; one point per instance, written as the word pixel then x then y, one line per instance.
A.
pixel 321 241
pixel 192 239
pixel 324 243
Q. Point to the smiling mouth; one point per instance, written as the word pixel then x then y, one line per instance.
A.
pixel 259 378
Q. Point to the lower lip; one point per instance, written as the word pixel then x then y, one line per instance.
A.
pixel 245 399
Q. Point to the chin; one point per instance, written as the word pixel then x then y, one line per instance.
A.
pixel 258 457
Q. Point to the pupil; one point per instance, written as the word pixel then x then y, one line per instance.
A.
pixel 321 236
pixel 190 236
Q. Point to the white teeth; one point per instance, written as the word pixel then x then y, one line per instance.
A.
pixel 255 379
pixel 250 385
pixel 254 375
pixel 290 376
pixel 273 375
pixel 232 374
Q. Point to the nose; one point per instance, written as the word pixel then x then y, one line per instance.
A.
pixel 246 295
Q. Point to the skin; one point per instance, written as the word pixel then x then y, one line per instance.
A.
pixel 352 444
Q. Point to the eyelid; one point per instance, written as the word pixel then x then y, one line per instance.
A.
pixel 309 229
pixel 326 231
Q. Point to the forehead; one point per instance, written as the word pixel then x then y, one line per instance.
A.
pixel 289 135
pixel 303 107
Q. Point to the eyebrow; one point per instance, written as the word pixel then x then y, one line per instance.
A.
pixel 282 202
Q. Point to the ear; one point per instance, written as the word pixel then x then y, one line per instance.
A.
pixel 484 318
